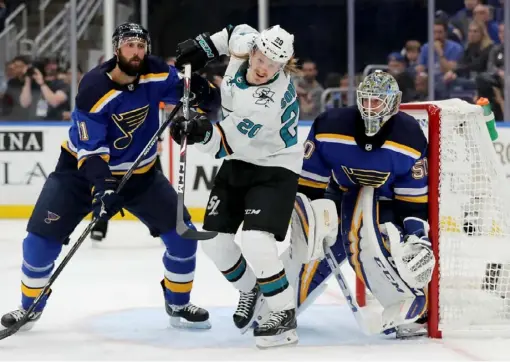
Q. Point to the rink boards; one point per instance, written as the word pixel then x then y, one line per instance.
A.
pixel 29 152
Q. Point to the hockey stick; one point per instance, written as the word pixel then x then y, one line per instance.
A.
pixel 183 228
pixel 368 327
pixel 13 329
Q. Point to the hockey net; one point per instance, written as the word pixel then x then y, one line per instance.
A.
pixel 469 216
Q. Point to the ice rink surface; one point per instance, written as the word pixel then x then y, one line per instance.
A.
pixel 108 305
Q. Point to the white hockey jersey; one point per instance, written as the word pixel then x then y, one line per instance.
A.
pixel 259 123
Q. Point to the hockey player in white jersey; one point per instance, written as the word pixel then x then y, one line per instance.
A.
pixel 258 180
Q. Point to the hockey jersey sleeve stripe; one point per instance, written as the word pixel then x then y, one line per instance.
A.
pixel 313 184
pixel 224 142
pixel 104 100
pixel 144 166
pixel 411 191
pixel 335 138
pixel 314 176
pixel 414 199
pixel 153 77
pixel 400 148
pixel 66 145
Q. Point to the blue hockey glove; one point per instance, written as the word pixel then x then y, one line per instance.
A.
pixel 106 202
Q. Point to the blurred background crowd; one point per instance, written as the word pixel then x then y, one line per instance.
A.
pixel 390 34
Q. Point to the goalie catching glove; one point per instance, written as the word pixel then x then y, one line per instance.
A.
pixel 313 224
pixel 412 254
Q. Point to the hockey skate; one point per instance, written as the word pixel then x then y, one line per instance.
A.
pixel 278 330
pixel 249 306
pixel 11 318
pixel 188 316
pixel 98 232
pixel 413 330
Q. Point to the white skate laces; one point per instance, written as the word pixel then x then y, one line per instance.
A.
pixel 245 302
pixel 275 319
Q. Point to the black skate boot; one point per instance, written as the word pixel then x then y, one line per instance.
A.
pixel 11 318
pixel 278 330
pixel 186 316
pixel 98 232
pixel 249 304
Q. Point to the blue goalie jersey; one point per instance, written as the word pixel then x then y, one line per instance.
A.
pixel 116 121
pixel 338 153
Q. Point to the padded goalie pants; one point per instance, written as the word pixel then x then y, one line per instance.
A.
pixel 66 199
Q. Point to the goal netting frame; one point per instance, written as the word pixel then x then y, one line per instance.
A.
pixel 470 288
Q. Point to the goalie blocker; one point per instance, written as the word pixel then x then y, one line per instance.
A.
pixel 394 267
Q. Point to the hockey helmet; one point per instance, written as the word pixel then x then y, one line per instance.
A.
pixel 276 44
pixel 378 98
pixel 127 32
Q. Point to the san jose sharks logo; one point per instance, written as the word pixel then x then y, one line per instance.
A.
pixel 264 95
pixel 128 123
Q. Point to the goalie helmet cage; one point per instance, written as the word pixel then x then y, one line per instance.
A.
pixel 469 217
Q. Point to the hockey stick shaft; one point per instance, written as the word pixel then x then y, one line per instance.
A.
pixel 183 229
pixel 12 330
pixel 365 325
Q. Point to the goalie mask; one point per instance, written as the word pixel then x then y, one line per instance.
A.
pixel 378 98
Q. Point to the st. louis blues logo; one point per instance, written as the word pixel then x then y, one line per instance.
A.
pixel 128 122
pixel 51 217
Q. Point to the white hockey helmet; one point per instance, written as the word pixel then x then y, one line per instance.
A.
pixel 276 44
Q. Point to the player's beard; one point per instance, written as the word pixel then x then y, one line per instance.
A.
pixel 128 67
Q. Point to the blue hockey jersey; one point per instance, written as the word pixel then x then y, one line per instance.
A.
pixel 394 161
pixel 116 121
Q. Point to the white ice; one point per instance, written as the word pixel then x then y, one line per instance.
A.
pixel 108 305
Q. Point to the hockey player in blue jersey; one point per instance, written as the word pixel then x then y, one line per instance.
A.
pixel 116 115
pixel 368 166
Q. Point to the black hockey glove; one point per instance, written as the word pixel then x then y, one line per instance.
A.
pixel 207 97
pixel 198 52
pixel 106 202
pixel 199 129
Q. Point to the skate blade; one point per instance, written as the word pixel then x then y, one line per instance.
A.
pixel 28 326
pixel 286 339
pixel 258 307
pixel 181 323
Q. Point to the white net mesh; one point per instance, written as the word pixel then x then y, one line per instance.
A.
pixel 474 213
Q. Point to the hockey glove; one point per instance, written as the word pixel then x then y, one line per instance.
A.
pixel 106 202
pixel 207 96
pixel 198 129
pixel 198 52
pixel 413 255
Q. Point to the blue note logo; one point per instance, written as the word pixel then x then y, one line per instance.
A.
pixel 51 217
pixel 128 123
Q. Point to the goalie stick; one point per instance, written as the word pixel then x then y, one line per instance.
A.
pixel 183 228
pixel 12 330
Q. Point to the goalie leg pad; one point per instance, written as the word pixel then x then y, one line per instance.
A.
pixel 313 223
pixel 371 258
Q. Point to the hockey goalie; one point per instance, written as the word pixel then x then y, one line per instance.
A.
pixel 363 200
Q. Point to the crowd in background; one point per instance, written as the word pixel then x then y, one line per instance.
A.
pixel 469 63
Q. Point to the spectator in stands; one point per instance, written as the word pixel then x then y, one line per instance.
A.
pixel 452 32
pixel 337 99
pixel 3 15
pixel 476 54
pixel 463 17
pixel 412 53
pixel 405 80
pixel 446 55
pixel 48 100
pixel 482 14
pixel 421 86
pixel 309 91
pixel 11 101
pixel 492 81
pixel 67 78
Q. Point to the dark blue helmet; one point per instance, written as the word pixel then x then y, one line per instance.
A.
pixel 133 31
